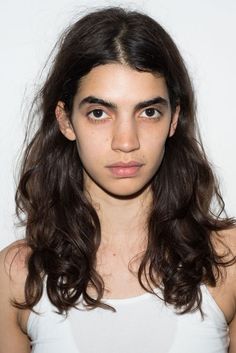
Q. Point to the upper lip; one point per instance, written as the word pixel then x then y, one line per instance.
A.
pixel 126 164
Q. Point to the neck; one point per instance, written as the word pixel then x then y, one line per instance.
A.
pixel 123 221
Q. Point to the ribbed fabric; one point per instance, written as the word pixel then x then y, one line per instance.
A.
pixel 142 324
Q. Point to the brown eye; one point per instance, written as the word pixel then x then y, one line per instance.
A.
pixel 150 113
pixel 97 114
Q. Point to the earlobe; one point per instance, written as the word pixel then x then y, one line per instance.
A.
pixel 64 123
pixel 174 121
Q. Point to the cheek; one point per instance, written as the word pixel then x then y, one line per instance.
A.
pixel 155 144
pixel 90 147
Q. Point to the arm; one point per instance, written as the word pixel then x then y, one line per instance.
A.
pixel 229 238
pixel 232 335
pixel 12 338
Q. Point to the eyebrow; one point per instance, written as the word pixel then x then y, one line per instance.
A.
pixel 140 105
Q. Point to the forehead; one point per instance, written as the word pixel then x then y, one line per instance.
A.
pixel 118 82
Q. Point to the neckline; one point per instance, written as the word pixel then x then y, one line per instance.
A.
pixel 128 300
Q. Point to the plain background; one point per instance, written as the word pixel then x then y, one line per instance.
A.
pixel 205 34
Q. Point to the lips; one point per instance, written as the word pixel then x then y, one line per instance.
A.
pixel 125 164
pixel 125 169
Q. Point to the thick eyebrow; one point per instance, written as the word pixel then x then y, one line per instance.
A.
pixel 140 105
pixel 147 103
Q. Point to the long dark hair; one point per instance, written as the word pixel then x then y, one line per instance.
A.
pixel 62 227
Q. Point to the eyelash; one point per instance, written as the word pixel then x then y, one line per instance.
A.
pixel 94 119
pixel 155 109
pixel 98 120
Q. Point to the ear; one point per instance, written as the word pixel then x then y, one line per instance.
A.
pixel 64 123
pixel 174 121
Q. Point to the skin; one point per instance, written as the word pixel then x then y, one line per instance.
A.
pixel 124 133
pixel 121 134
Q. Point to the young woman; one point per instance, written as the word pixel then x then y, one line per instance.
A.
pixel 122 251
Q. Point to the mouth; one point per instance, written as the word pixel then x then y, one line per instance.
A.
pixel 125 164
pixel 123 169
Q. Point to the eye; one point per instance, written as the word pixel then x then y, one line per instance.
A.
pixel 97 114
pixel 152 113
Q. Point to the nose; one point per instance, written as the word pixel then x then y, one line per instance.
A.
pixel 125 136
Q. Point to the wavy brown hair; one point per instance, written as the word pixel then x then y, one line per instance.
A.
pixel 62 227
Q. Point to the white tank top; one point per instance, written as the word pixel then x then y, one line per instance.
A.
pixel 142 324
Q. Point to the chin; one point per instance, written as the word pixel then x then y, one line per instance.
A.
pixel 126 191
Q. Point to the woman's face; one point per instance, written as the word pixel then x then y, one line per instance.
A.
pixel 120 116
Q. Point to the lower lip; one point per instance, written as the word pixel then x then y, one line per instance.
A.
pixel 125 171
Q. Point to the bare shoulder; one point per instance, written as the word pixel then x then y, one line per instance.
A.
pixel 13 264
pixel 228 237
pixel 13 273
pixel 224 243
